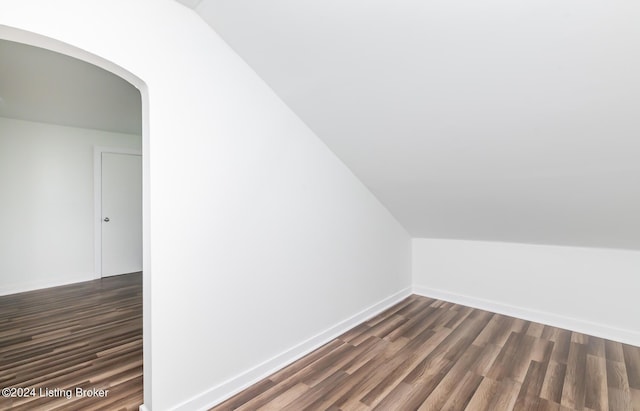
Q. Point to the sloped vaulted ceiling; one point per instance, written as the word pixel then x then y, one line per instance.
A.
pixel 487 120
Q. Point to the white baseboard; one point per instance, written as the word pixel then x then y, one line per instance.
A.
pixel 143 408
pixel 574 324
pixel 21 288
pixel 234 385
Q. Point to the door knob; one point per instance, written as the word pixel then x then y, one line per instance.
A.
pixel 106 219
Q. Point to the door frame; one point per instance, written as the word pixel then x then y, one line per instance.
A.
pixel 97 200
pixel 36 36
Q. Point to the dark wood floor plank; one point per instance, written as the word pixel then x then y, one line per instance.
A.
pixel 250 393
pixel 635 399
pixel 369 351
pixel 381 329
pixel 619 399
pixel 285 398
pixel 579 338
pixel 441 394
pixel 431 319
pixel 425 354
pixel 317 393
pixel 368 377
pixel 283 385
pixel 485 359
pixel 461 314
pixel 405 306
pixel 398 395
pixel 483 397
pixel 546 405
pixel 320 370
pixel 463 393
pixel 553 384
pixel 401 365
pixel 562 343
pixel 414 325
pixel 613 351
pixel 296 366
pixel 506 395
pixel 355 332
pixel 573 391
pixel 349 389
pixel 261 398
pixel 535 329
pixel 596 395
pixel 617 375
pixel 531 387
pixel 632 362
pixel 596 347
pixel 496 332
pixel 514 358
pixel 86 335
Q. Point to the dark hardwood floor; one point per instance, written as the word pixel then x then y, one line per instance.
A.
pixel 83 336
pixel 425 354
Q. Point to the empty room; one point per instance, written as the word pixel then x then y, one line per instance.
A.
pixel 71 290
pixel 345 206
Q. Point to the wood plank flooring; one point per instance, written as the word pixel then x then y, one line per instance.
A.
pixel 86 335
pixel 425 354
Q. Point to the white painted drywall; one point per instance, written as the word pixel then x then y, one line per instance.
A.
pixel 589 290
pixel 47 202
pixel 258 237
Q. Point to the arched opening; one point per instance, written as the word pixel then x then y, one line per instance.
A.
pixel 36 40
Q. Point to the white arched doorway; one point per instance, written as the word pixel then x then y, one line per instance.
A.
pixel 37 40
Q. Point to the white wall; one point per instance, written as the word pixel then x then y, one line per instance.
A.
pixel 257 238
pixel 47 202
pixel 589 290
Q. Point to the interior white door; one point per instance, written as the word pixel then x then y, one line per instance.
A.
pixel 121 194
